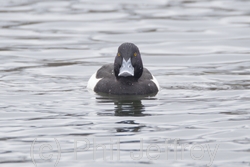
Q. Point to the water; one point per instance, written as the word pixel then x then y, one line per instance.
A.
pixel 198 51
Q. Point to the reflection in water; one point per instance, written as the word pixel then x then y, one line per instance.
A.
pixel 129 129
pixel 125 105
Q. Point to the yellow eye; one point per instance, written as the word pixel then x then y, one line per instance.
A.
pixel 135 54
pixel 118 54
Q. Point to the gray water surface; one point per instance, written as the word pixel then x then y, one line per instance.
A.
pixel 197 50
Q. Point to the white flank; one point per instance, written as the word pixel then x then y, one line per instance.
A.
pixel 93 81
pixel 156 82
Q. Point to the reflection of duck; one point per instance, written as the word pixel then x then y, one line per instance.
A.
pixel 125 105
pixel 126 76
pixel 128 107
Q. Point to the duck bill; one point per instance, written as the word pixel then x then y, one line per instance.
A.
pixel 126 69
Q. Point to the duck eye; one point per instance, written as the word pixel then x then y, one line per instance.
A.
pixel 118 54
pixel 135 54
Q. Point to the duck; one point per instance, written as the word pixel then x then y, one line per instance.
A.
pixel 126 76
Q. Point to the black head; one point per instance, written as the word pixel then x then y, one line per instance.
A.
pixel 128 62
